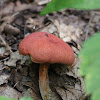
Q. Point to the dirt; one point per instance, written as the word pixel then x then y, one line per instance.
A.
pixel 20 76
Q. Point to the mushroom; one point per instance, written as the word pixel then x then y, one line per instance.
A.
pixel 46 49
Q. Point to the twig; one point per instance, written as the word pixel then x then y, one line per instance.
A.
pixel 6 45
pixel 15 84
pixel 2 68
pixel 4 59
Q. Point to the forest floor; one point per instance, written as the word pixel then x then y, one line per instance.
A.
pixel 18 75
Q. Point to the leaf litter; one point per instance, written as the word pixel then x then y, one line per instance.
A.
pixel 18 76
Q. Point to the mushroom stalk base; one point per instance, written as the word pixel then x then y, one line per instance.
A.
pixel 44 82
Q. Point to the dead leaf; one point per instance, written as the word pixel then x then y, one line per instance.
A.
pixel 15 56
pixel 9 92
pixel 4 78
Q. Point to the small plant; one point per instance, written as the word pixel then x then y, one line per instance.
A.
pixel 56 5
pixel 23 98
pixel 90 66
pixel 7 98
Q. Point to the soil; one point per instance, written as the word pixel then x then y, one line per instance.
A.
pixel 18 75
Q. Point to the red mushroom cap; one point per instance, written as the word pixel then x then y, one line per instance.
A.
pixel 46 48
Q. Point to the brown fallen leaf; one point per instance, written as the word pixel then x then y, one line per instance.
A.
pixel 4 78
pixel 15 56
pixel 9 92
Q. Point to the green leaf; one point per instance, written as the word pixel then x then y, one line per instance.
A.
pixel 90 65
pixel 26 98
pixel 7 98
pixel 14 99
pixel 96 95
pixel 56 5
pixel 4 98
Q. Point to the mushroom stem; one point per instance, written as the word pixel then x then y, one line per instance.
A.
pixel 44 82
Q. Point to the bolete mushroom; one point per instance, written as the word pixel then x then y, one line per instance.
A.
pixel 46 48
